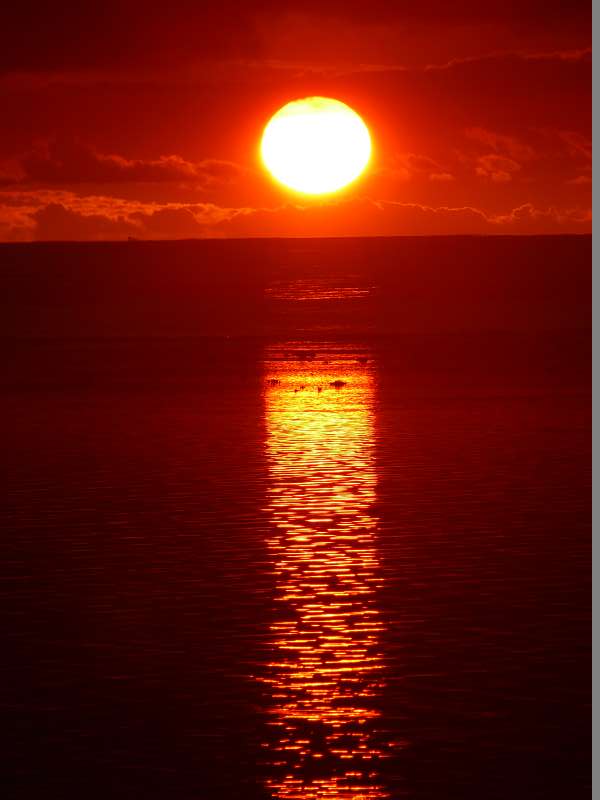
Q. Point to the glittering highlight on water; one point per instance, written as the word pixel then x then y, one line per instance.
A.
pixel 326 674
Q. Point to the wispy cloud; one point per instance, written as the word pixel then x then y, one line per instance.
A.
pixel 71 162
pixel 353 67
pixel 191 73
pixel 502 143
pixel 405 166
pixel 577 144
pixel 581 54
pixel 497 168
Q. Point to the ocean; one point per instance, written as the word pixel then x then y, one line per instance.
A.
pixel 296 519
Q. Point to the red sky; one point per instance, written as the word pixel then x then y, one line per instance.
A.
pixel 144 120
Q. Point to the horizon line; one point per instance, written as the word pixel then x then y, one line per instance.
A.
pixel 135 240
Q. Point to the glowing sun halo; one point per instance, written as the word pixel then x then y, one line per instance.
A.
pixel 316 145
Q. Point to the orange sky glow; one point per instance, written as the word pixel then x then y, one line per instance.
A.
pixel 147 121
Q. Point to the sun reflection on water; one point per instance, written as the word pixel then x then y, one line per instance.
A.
pixel 326 672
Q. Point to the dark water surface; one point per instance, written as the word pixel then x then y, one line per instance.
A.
pixel 224 576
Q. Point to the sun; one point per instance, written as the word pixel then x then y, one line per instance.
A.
pixel 316 145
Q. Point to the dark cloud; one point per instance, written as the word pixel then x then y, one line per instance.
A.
pixel 169 223
pixel 58 214
pixel 392 218
pixel 65 216
pixel 55 222
pixel 67 163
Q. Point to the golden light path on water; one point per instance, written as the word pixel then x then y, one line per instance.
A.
pixel 326 671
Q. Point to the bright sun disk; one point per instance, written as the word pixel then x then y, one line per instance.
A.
pixel 316 145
